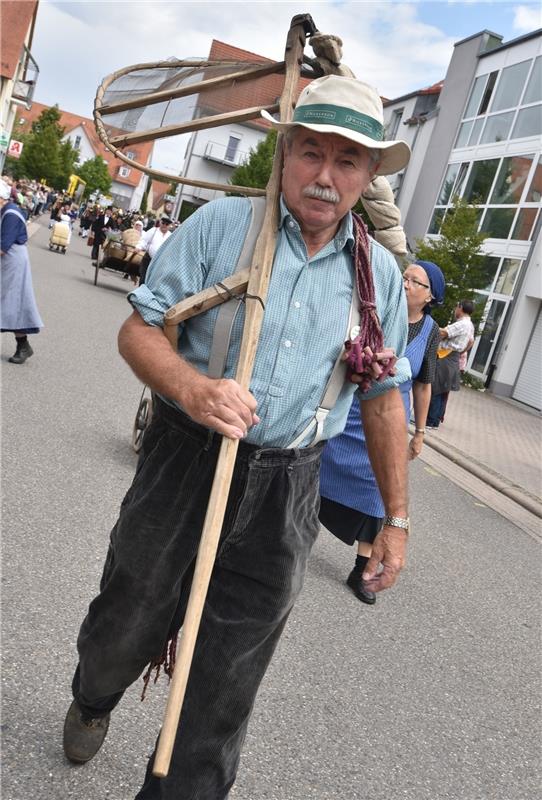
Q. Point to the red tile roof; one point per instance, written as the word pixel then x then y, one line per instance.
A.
pixel 261 92
pixel 69 122
pixel 16 18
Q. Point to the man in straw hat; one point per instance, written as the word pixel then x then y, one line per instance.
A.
pixel 323 259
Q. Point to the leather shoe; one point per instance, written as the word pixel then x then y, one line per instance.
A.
pixel 83 736
pixel 355 582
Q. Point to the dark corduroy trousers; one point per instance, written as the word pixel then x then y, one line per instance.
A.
pixel 270 526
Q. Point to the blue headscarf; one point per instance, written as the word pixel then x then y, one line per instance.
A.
pixel 436 282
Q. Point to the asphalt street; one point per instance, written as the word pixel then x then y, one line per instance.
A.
pixel 432 694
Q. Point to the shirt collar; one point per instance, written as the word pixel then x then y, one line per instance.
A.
pixel 343 237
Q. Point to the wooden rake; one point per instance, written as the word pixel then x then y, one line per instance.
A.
pixel 254 282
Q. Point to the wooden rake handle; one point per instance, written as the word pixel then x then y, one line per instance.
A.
pixel 259 277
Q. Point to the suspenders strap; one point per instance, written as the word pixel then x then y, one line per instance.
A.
pixel 333 388
pixel 228 310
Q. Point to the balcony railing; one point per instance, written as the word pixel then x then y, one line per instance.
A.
pixel 224 154
pixel 28 71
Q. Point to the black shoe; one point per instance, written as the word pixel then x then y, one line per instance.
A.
pixel 23 352
pixel 83 736
pixel 355 582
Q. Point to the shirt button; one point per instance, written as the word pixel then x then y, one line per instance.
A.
pixel 287 343
pixel 297 304
pixel 291 224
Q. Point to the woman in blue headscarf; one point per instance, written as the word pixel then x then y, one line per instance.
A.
pixel 351 505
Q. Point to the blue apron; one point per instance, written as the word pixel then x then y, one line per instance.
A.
pixel 346 475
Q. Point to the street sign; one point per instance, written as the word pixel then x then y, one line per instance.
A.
pixel 4 139
pixel 15 149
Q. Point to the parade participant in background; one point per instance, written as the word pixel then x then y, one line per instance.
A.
pixel 104 221
pixel 133 238
pixel 351 506
pixel 456 338
pixel 152 241
pixel 323 258
pixel 18 309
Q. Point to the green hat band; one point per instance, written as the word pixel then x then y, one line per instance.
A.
pixel 323 114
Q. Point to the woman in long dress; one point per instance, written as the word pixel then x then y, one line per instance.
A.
pixel 18 310
pixel 351 505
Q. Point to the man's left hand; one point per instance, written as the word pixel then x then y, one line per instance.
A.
pixel 389 550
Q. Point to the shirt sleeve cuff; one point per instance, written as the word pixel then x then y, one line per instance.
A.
pixel 402 374
pixel 146 304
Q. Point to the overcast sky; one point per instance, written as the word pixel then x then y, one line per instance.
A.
pixel 397 47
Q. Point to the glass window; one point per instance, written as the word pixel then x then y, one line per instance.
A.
pixel 511 180
pixel 489 335
pixel 534 193
pixel 231 149
pixel 528 123
pixel 498 221
pixel 524 224
pixel 475 132
pixel 507 275
pixel 436 220
pixel 488 92
pixel 497 128
pixel 475 96
pixel 394 123
pixel 447 184
pixel 463 135
pixel 510 86
pixel 533 93
pixel 480 180
pixel 488 270
pixel 460 182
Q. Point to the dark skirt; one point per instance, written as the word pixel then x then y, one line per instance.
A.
pixel 348 524
pixel 447 376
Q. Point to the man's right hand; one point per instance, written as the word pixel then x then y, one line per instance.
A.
pixel 222 405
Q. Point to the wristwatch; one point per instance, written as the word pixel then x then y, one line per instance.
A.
pixel 398 522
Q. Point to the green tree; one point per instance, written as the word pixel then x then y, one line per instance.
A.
pixel 256 171
pixel 45 156
pixel 457 252
pixel 69 158
pixel 95 173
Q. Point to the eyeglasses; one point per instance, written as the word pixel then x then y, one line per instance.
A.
pixel 414 282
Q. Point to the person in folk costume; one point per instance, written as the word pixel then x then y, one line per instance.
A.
pixel 19 312
pixel 351 506
pixel 323 260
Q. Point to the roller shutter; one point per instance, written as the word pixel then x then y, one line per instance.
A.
pixel 528 388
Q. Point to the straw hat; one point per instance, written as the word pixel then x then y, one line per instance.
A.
pixel 349 108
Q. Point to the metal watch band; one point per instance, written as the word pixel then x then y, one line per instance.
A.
pixel 398 522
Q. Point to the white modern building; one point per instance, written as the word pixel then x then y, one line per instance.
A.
pixel 480 139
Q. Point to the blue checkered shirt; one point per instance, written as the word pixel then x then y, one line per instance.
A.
pixel 306 315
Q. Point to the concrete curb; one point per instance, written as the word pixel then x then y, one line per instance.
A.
pixel 515 493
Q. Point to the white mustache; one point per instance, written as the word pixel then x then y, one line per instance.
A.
pixel 319 193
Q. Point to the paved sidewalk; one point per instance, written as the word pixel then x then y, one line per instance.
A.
pixel 496 438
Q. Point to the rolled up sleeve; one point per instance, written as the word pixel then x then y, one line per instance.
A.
pixel 175 273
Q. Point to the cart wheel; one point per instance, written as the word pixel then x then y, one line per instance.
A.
pixel 63 251
pixel 142 421
pixel 50 246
